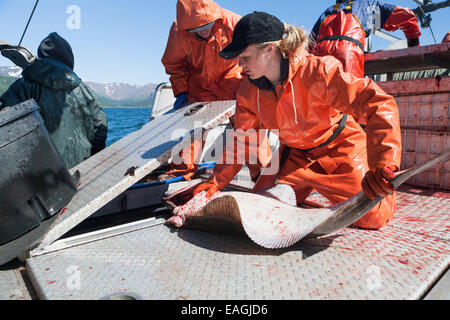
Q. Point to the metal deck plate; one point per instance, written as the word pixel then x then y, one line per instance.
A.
pixel 104 176
pixel 423 211
pixel 12 286
pixel 401 261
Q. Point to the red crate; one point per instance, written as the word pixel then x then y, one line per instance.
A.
pixel 425 120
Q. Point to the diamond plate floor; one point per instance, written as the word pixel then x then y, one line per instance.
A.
pixel 12 286
pixel 399 262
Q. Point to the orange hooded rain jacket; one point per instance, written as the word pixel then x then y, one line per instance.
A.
pixel 306 109
pixel 192 62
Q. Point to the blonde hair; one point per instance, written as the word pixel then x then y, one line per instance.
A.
pixel 294 38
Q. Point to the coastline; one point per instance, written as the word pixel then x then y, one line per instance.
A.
pixel 126 107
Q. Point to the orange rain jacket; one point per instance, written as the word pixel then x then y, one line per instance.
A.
pixel 308 107
pixel 356 20
pixel 192 62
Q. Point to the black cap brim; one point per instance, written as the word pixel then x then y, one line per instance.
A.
pixel 232 51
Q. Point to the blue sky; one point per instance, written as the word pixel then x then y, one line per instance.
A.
pixel 123 41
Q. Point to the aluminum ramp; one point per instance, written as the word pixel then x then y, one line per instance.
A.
pixel 113 170
pixel 402 261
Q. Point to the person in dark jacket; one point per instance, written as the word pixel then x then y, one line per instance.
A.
pixel 341 30
pixel 72 115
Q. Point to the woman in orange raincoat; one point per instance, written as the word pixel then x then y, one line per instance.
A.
pixel 316 107
pixel 197 73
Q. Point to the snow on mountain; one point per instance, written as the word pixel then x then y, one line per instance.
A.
pixel 14 72
pixel 123 91
pixel 116 93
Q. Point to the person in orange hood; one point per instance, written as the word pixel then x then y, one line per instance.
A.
pixel 316 107
pixel 197 73
pixel 341 29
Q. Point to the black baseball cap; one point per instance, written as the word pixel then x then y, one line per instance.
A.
pixel 256 27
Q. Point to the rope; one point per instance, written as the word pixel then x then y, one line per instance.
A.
pixel 31 16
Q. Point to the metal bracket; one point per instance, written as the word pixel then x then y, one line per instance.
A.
pixel 194 109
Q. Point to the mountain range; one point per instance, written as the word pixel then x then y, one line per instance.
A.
pixel 13 72
pixel 123 94
pixel 109 94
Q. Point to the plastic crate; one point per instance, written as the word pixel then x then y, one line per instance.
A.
pixel 424 118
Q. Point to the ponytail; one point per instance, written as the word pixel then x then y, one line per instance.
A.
pixel 293 39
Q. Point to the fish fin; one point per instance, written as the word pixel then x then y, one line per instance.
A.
pixel 281 192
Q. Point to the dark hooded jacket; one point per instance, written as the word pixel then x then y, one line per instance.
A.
pixel 75 121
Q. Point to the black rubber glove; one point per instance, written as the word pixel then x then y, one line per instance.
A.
pixel 413 42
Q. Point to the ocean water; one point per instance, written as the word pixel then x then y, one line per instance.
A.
pixel 122 121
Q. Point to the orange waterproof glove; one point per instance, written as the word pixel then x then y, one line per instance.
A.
pixel 376 182
pixel 210 188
